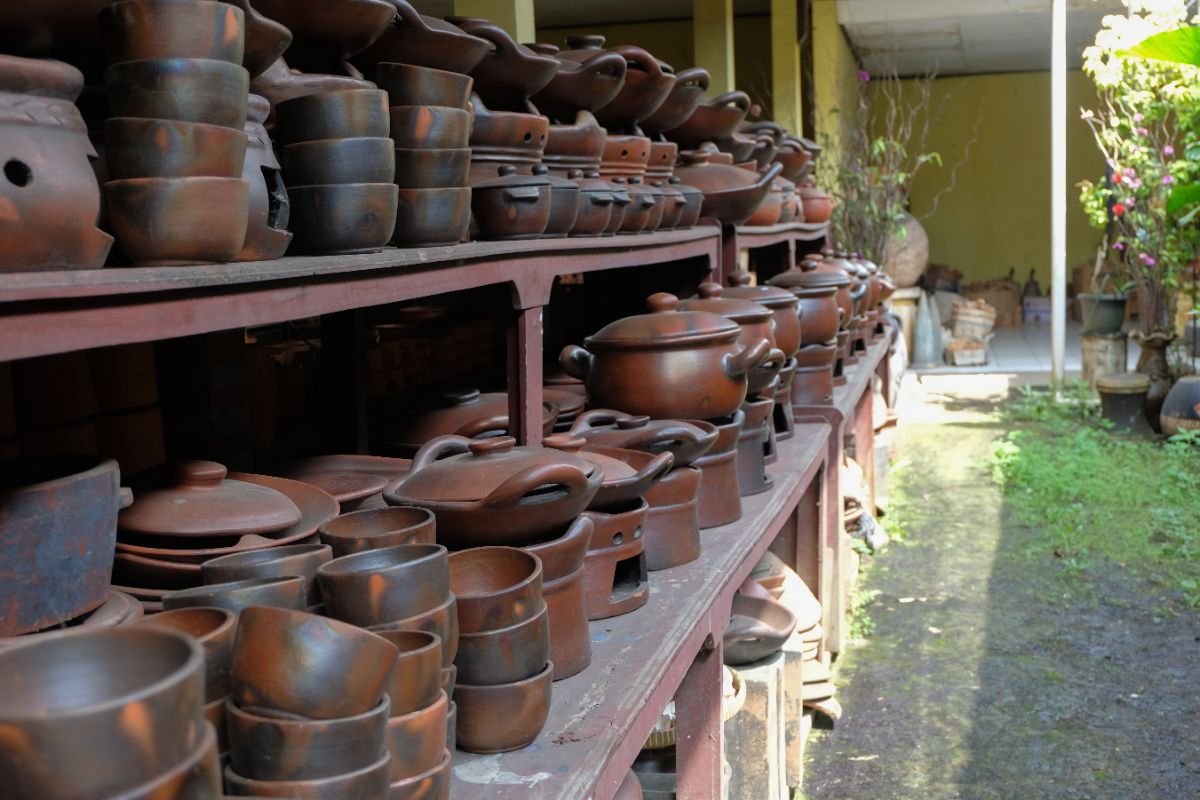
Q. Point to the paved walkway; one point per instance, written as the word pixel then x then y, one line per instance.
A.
pixel 980 680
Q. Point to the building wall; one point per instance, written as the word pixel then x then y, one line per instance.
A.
pixel 835 77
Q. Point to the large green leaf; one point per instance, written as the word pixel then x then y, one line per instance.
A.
pixel 1181 45
pixel 1183 196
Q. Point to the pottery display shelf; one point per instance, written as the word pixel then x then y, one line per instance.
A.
pixel 776 246
pixel 671 647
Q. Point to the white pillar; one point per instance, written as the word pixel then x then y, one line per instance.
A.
pixel 1058 192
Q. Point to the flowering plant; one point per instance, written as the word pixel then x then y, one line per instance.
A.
pixel 1147 127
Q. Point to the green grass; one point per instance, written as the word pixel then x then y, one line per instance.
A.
pixel 1095 496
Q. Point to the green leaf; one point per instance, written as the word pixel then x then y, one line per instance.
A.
pixel 1182 197
pixel 1181 46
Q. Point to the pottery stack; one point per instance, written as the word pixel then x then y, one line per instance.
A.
pixel 174 143
pixel 825 306
pixel 338 165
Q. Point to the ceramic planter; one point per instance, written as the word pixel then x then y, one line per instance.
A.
pixel 505 655
pixel 1101 313
pixel 343 114
pixel 301 560
pixel 496 587
pixel 377 528
pixel 498 719
pixel 379 586
pixel 614 572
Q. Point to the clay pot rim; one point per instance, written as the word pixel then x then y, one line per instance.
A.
pixel 331 527
pixel 317 144
pixel 434 641
pixel 236 779
pixel 337 187
pixel 68 468
pixel 225 586
pixel 494 687
pixel 424 776
pixel 395 625
pixel 422 554
pixel 535 575
pixel 229 621
pixel 442 700
pixel 142 123
pixel 507 630
pixel 121 183
pixel 297 723
pixel 266 555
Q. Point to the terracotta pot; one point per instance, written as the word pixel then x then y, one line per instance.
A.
pixel 587 79
pixel 731 194
pixel 328 161
pixel 719 497
pixel 370 783
pixel 693 203
pixel 431 168
pixel 625 156
pixel 324 35
pixel 564 204
pixel 281 592
pixel 784 306
pixel 156 148
pixel 196 776
pixel 579 145
pixel 620 206
pixel 432 217
pixel 628 474
pixel 344 218
pixel 771 210
pixel 417 680
pixel 562 588
pixel 505 655
pixel 266 229
pixel 424 41
pixel 377 528
pixel 496 587
pixel 614 571
pixel 756 323
pixel 818 206
pixel 794 159
pixel 442 621
pixel 685 440
pixel 214 629
pixel 342 114
pixel 509 73
pixel 133 30
pixel 754 442
pixel 813 282
pixel 407 85
pixel 272 748
pixel 278 83
pixel 378 586
pixel 431 785
pixel 757 628
pixel 168 221
pixel 511 206
pixel 505 138
pixel 595 204
pixel 716 119
pixel 647 83
pixel 183 89
pixel 686 94
pixel 345 670
pixel 134 694
pixel 418 127
pixel 672 530
pixel 480 495
pixel 466 412
pixel 417 740
pixel 301 560
pixel 505 717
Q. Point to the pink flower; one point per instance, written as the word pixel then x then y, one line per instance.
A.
pixel 1147 259
pixel 1119 246
pixel 1143 132
pixel 1168 180
pixel 1138 117
pixel 1168 151
pixel 864 76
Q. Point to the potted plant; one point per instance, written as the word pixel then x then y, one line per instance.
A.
pixel 1102 310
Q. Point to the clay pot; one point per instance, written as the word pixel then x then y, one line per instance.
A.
pixel 273 748
pixel 505 655
pixel 214 629
pixel 564 204
pixel 369 783
pixel 266 229
pixel 183 89
pixel 562 588
pixel 693 203
pixel 579 145
pixel 158 148
pixel 794 158
pixel 667 364
pixel 441 621
pixel 326 34
pixel 300 560
pixel 628 474
pixel 511 206
pixel 433 784
pixel 134 30
pixel 672 530
pixel 466 412
pixel 432 168
pixel 614 570
pixel 196 776
pixel 505 138
pixel 322 162
pixel 755 444
pixel 731 194
pixel 719 495
pixel 504 717
pixel 757 628
pixel 1179 409
pixel 266 39
pixel 479 494
pixel 169 221
pixel 134 694
pixel 377 528
pixel 379 586
pixel 685 95
pixel 509 73
pixel 595 204
pixel 757 323
pixel 407 85
pixel 298 663
pixel 430 127
pixel 278 83
pixel 417 680
pixel 424 41
pixel 344 114
pixel 625 156
pixel 818 206
pixel 771 210
pixel 716 119
pixel 825 302
pixel 496 587
pixel 685 440
pixel 586 79
pixel 417 740
pixel 343 218
pixel 281 592
pixel 432 217
pixel 647 83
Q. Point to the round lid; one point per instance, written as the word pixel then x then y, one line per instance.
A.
pixel 590 181
pixel 509 179
pixel 195 498
pixel 712 299
pixel 1123 383
pixel 569 403
pixel 614 469
pixel 770 296
pixel 664 325
pixel 466 412
pixel 44 77
pixel 478 468
pixel 812 273
pixel 556 182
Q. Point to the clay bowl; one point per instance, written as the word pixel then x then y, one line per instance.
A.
pixel 441 620
pixel 495 586
pixel 431 785
pixel 274 748
pixel 315 667
pixel 563 555
pixel 432 168
pixel 140 29
pixel 376 528
pixel 341 114
pixel 436 127
pixel 214 629
pixel 281 592
pixel 162 221
pixel 424 40
pixel 327 161
pixel 417 678
pixel 421 86
pixel 432 217
pixel 133 694
pixel 417 740
pixel 184 89
pixel 159 148
pixel 344 218
pixel 196 776
pixel 505 655
pixel 299 560
pixel 370 782
pixel 449 678
pixel 326 33
pixel 757 628
pixel 379 586
pixel 508 716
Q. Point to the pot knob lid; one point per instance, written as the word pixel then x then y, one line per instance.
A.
pixel 585 42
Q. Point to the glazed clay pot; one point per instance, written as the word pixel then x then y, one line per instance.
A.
pixel 376 528
pixel 424 41
pixel 614 572
pixel 267 236
pixel 341 114
pixel 686 94
pixel 731 194
pixel 562 588
pixel 719 494
pixel 716 119
pixel 378 586
pixel 586 79
pixel 324 35
pixel 505 717
pixel 667 364
pixel 509 73
pixel 784 306
pixel 133 30
pixel 511 206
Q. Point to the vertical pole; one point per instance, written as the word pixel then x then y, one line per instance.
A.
pixel 525 376
pixel 712 37
pixel 700 740
pixel 785 64
pixel 514 16
pixel 1058 192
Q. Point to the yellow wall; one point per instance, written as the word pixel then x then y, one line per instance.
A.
pixel 835 77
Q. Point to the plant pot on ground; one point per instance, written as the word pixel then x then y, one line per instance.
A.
pixel 1101 312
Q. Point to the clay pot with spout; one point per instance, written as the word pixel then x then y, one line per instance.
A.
pixel 756 323
pixel 731 194
pixel 685 95
pixel 716 119
pixel 423 41
pixel 510 73
pixel 648 81
pixel 587 78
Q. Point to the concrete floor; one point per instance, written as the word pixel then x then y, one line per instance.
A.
pixel 1026 350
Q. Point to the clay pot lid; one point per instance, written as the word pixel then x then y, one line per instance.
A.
pixel 471 476
pixel 812 274
pixel 556 181
pixel 196 498
pixel 664 325
pixel 686 440
pixel 614 469
pixel 348 487
pixel 767 295
pixel 507 178
pixel 678 183
pixel 43 77
pixel 1123 383
pixel 453 411
pixel 569 403
pixel 712 299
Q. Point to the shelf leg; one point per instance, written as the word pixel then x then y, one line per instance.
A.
pixel 729 253
pixel 343 381
pixel 700 747
pixel 525 376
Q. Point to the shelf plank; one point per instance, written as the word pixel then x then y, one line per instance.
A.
pixel 751 236
pixel 600 718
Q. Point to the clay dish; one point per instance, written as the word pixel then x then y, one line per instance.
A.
pixel 343 218
pixel 509 716
pixel 585 81
pixel 425 41
pixel 134 30
pixel 214 629
pixel 442 621
pixel 198 775
pixel 435 127
pixel 758 627
pixel 430 785
pixel 407 85
pixel 351 490
pixel 284 592
pixel 158 148
pixel 183 89
pixel 417 741
pixel 378 586
pixel 505 655
pixel 432 168
pixel 341 114
pixel 686 94
pixel 496 587
pixel 432 217
pixel 377 528
pixel 716 119
pixel 301 560
pixel 417 678
pixel 647 83
pixel 326 33
pixel 166 221
pixel 329 161
pixel 370 783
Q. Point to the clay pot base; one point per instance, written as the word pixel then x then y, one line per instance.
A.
pixel 720 502
pixel 570 644
pixel 781 414
pixel 672 532
pixel 615 580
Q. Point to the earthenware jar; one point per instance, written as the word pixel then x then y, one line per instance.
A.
pixel 510 72
pixel 716 119
pixel 586 79
pixel 756 322
pixel 686 93
pixel 423 41
pixel 785 309
pixel 511 206
pixel 818 206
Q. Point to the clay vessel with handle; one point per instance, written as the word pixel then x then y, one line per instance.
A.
pixel 716 119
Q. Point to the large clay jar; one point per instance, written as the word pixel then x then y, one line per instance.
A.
pixel 587 79
pixel 267 236
pixel 1181 409
pixel 48 190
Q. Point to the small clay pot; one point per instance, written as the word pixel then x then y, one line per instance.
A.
pixel 322 162
pixel 432 217
pixel 421 86
pixel 344 218
pixel 563 555
pixel 496 587
pixel 430 127
pixel 273 748
pixel 341 114
pixel 379 586
pixel 417 740
pixel 134 30
pixel 417 678
pixel 376 528
pixel 184 89
pixel 214 629
pixel 441 621
pixel 505 717
pixel 431 785
pixel 758 627
pixel 595 204
pixel 370 783
pixel 299 663
pixel 505 655
pixel 160 148
pixel 280 592
pixel 564 204
pixel 167 221
pixel 511 206
pixel 720 501
pixel 432 168
pixel 198 775
pixel 301 560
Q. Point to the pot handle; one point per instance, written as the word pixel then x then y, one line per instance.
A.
pixel 738 99
pixel 776 356
pixel 439 447
pixel 771 174
pixel 739 364
pixel 696 75
pixel 595 418
pixel 575 361
pixel 841 317
pixel 515 487
pixel 522 194
pixel 601 198
pixel 606 64
pixel 637 58
pixel 489 31
pixel 657 467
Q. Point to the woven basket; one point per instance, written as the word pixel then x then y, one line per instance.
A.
pixel 657 740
